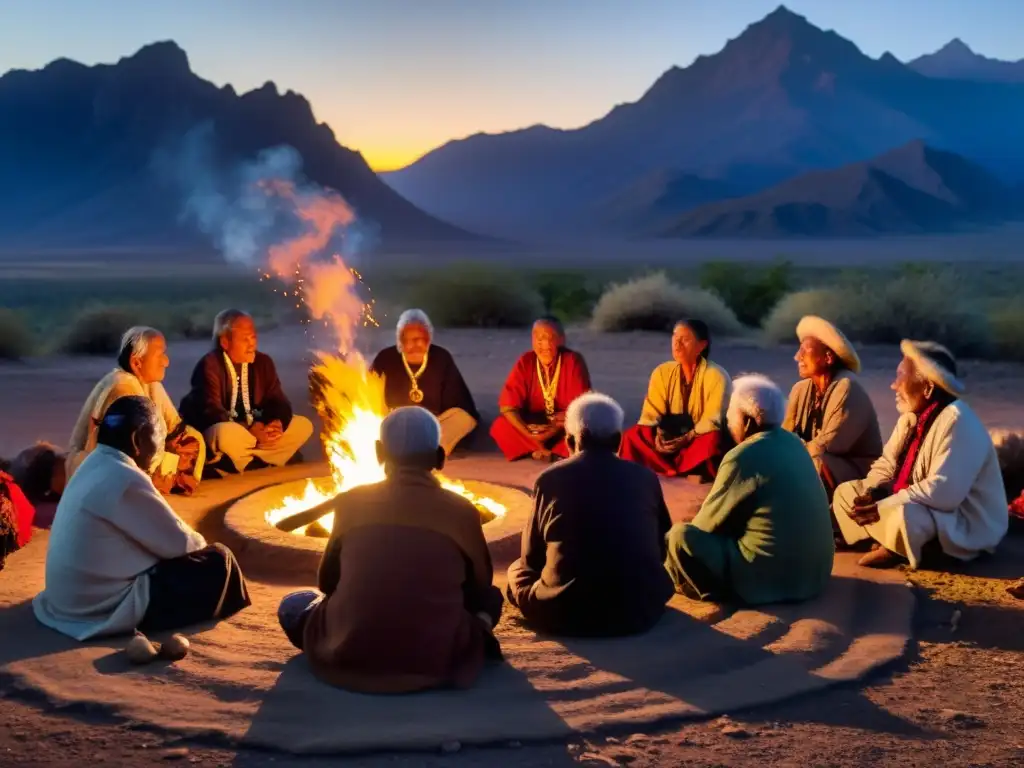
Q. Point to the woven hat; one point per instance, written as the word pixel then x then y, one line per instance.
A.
pixel 936 363
pixel 818 328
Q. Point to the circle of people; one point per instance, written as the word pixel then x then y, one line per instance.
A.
pixel 792 481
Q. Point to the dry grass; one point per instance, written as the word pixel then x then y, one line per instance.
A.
pixel 918 306
pixel 655 303
pixel 16 339
pixel 1008 332
pixel 473 297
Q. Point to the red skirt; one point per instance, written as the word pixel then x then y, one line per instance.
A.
pixel 515 445
pixel 701 456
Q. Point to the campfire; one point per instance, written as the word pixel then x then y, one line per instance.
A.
pixel 347 396
pixel 350 402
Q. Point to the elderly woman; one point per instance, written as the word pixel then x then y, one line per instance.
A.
pixel 141 364
pixel 763 535
pixel 938 479
pixel 119 558
pixel 406 601
pixel 594 547
pixel 418 372
pixel 537 393
pixel 680 427
pixel 829 409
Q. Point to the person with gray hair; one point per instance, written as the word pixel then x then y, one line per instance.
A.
pixel 937 485
pixel 119 558
pixel 416 371
pixel 237 403
pixel 405 599
pixel 141 364
pixel 764 533
pixel 593 551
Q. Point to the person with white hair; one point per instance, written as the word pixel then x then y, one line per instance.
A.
pixel 763 534
pixel 405 599
pixel 238 404
pixel 119 559
pixel 417 371
pixel 829 409
pixel 141 364
pixel 593 550
pixel 938 481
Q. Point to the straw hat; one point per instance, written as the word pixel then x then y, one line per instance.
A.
pixel 818 328
pixel 936 363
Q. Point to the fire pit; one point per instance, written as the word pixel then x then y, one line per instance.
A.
pixel 250 528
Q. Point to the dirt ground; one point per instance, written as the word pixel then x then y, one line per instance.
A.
pixel 954 701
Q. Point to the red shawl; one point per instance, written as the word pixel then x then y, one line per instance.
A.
pixel 924 423
pixel 522 389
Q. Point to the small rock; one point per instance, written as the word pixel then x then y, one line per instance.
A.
pixel 450 747
pixel 961 719
pixel 176 753
pixel 636 738
pixel 612 740
pixel 736 732
pixel 593 758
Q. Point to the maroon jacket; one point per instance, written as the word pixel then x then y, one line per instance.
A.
pixel 208 402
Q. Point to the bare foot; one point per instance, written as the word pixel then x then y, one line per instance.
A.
pixel 880 558
pixel 542 455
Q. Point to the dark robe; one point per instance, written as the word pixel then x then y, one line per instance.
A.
pixel 522 394
pixel 442 384
pixel 594 549
pixel 209 399
pixel 404 573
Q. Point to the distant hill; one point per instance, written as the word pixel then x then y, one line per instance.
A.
pixel 955 60
pixel 651 203
pixel 912 189
pixel 783 98
pixel 77 147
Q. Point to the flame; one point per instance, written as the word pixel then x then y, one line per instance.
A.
pixel 347 396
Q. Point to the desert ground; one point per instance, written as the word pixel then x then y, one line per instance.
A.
pixel 954 700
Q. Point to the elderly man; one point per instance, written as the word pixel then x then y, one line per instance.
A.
pixel 141 364
pixel 537 392
pixel 237 401
pixel 763 535
pixel 829 409
pixel 680 427
pixel 119 558
pixel 438 387
pixel 594 547
pixel 406 601
pixel 938 479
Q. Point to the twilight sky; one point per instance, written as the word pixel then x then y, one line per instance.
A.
pixel 396 78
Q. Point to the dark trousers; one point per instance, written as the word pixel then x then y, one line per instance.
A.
pixel 294 611
pixel 204 585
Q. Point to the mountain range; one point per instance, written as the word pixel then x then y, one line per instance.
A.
pixel 956 61
pixel 782 99
pixel 77 149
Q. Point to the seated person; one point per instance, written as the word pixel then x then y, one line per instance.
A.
pixel 594 548
pixel 16 517
pixel 680 427
pixel 537 391
pixel 829 409
pixel 41 472
pixel 437 386
pixel 119 558
pixel 406 601
pixel 238 404
pixel 141 365
pixel 763 535
pixel 938 479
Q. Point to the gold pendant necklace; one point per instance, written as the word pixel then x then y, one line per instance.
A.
pixel 548 389
pixel 415 394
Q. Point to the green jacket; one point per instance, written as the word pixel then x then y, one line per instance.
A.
pixel 770 508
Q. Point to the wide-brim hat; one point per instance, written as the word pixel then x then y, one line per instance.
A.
pixel 821 329
pixel 936 363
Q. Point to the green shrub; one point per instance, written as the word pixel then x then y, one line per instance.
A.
pixel 98 330
pixel 751 292
pixel 654 303
pixel 918 305
pixel 472 297
pixel 567 295
pixel 16 339
pixel 1008 332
